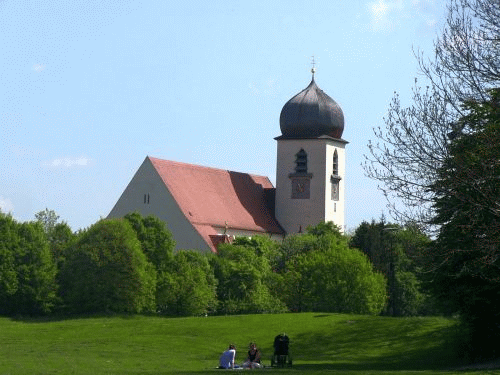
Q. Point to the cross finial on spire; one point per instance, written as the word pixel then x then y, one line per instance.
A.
pixel 313 63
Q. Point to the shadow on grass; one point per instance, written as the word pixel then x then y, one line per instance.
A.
pixel 378 344
pixel 65 317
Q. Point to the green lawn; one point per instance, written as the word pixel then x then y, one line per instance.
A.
pixel 321 343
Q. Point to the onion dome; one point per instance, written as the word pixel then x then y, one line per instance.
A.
pixel 310 114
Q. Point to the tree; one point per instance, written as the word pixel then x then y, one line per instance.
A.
pixel 242 276
pixel 9 239
pixel 156 240
pixel 466 59
pixel 48 219
pixel 59 234
pixel 325 229
pixel 465 258
pixel 263 247
pixel 188 287
pixel 414 144
pixel 270 249
pixel 158 245
pixel 372 239
pixel 393 250
pixel 333 279
pixel 27 271
pixel 106 271
pixel 60 239
pixel 468 190
pixel 320 236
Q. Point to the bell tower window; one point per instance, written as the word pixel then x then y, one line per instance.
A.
pixel 301 162
pixel 335 169
pixel 335 178
pixel 300 179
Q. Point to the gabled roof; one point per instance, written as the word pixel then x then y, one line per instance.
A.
pixel 210 197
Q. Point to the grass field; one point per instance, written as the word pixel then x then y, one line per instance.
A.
pixel 320 343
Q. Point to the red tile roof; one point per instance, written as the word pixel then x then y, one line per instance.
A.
pixel 211 197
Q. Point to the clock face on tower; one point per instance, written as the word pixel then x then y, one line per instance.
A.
pixel 301 188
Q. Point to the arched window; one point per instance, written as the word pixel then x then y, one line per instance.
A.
pixel 335 179
pixel 301 162
pixel 335 169
pixel 300 179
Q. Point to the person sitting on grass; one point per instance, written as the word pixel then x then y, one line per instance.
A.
pixel 226 360
pixel 253 359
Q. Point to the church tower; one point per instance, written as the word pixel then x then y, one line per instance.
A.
pixel 311 161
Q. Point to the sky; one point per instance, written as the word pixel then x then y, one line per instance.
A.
pixel 89 88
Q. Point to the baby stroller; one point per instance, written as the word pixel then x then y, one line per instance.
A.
pixel 281 357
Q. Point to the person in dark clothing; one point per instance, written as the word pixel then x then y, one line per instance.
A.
pixel 281 344
pixel 253 359
pixel 281 356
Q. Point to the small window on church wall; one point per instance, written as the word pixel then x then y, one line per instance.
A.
pixel 335 190
pixel 335 170
pixel 301 161
pixel 146 198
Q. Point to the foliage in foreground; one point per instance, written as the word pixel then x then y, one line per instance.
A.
pixel 465 257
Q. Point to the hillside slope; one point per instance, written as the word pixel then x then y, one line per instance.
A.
pixel 153 345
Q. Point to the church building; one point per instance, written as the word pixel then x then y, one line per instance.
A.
pixel 204 207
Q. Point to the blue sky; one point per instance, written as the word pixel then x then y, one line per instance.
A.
pixel 89 88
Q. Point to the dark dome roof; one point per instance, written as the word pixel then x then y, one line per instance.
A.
pixel 310 114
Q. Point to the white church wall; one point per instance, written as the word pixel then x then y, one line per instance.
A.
pixel 147 194
pixel 296 214
pixel 335 210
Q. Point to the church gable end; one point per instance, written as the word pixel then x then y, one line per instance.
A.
pixel 200 204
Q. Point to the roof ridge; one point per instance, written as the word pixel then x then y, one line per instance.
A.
pixel 196 166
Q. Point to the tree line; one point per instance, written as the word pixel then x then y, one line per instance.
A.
pixel 129 266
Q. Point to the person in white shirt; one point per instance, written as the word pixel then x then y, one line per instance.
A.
pixel 226 360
